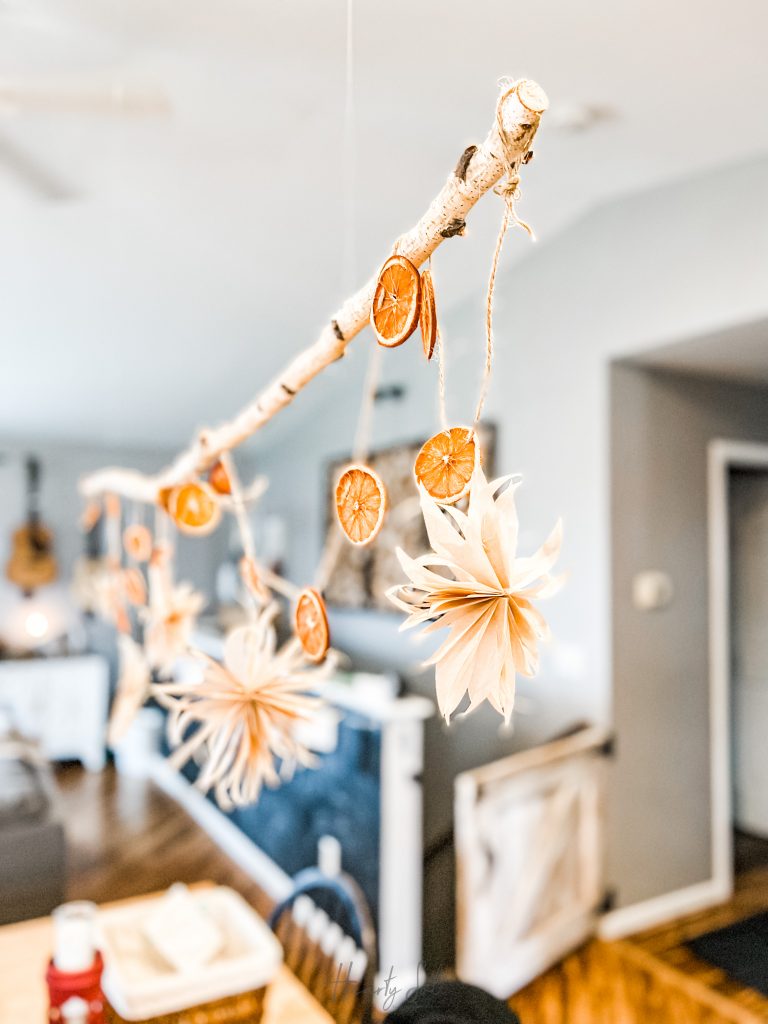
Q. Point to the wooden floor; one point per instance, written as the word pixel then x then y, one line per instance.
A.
pixel 653 976
pixel 126 837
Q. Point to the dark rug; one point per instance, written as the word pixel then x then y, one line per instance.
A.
pixel 741 950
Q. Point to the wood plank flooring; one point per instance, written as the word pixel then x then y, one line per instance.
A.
pixel 651 977
pixel 126 837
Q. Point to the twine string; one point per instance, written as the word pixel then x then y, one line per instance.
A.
pixel 349 240
pixel 362 443
pixel 240 509
pixel 441 401
pixel 509 190
pixel 334 540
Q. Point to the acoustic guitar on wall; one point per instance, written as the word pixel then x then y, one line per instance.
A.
pixel 32 563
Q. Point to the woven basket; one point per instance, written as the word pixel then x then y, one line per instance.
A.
pixel 245 1008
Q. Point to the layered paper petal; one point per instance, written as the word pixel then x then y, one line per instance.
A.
pixel 474 586
pixel 170 618
pixel 241 716
pixel 132 688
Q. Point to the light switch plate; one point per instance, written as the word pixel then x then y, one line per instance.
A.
pixel 652 590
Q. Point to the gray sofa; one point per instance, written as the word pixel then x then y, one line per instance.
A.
pixel 32 848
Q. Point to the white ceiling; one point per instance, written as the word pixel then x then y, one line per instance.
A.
pixel 188 255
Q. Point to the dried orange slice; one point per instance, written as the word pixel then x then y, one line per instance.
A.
pixel 134 586
pixel 160 556
pixel 194 509
pixel 122 619
pixel 396 301
pixel 360 503
pixel 112 506
pixel 249 573
pixel 428 315
pixel 137 541
pixel 446 462
pixel 164 497
pixel 219 480
pixel 91 515
pixel 311 623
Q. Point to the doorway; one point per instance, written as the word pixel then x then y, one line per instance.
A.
pixel 748 614
pixel 738 596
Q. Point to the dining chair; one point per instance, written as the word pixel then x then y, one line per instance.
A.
pixel 326 930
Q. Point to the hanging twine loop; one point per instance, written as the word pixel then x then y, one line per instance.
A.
pixel 509 189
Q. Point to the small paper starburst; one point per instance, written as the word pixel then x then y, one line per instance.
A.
pixel 132 688
pixel 169 618
pixel 244 712
pixel 99 587
pixel 486 598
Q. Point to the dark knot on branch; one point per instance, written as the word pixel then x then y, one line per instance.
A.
pixel 463 165
pixel 456 226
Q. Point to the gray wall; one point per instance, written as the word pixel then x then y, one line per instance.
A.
pixel 63 464
pixel 660 810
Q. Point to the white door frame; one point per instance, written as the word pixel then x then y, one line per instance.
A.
pixel 722 456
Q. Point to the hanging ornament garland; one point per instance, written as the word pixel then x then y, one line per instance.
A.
pixel 244 712
pixel 485 602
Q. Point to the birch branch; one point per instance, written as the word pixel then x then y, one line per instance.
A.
pixel 478 170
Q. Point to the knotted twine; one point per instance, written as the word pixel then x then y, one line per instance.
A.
pixel 509 190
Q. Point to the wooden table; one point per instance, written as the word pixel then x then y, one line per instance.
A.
pixel 26 948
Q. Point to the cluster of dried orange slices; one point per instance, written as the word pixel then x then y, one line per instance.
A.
pixel 403 299
pixel 194 506
pixel 446 462
pixel 360 503
pixel 311 625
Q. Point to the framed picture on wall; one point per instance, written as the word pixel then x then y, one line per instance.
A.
pixel 362 575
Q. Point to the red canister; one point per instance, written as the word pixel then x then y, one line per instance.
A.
pixel 85 985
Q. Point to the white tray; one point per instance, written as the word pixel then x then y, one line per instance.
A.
pixel 141 984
